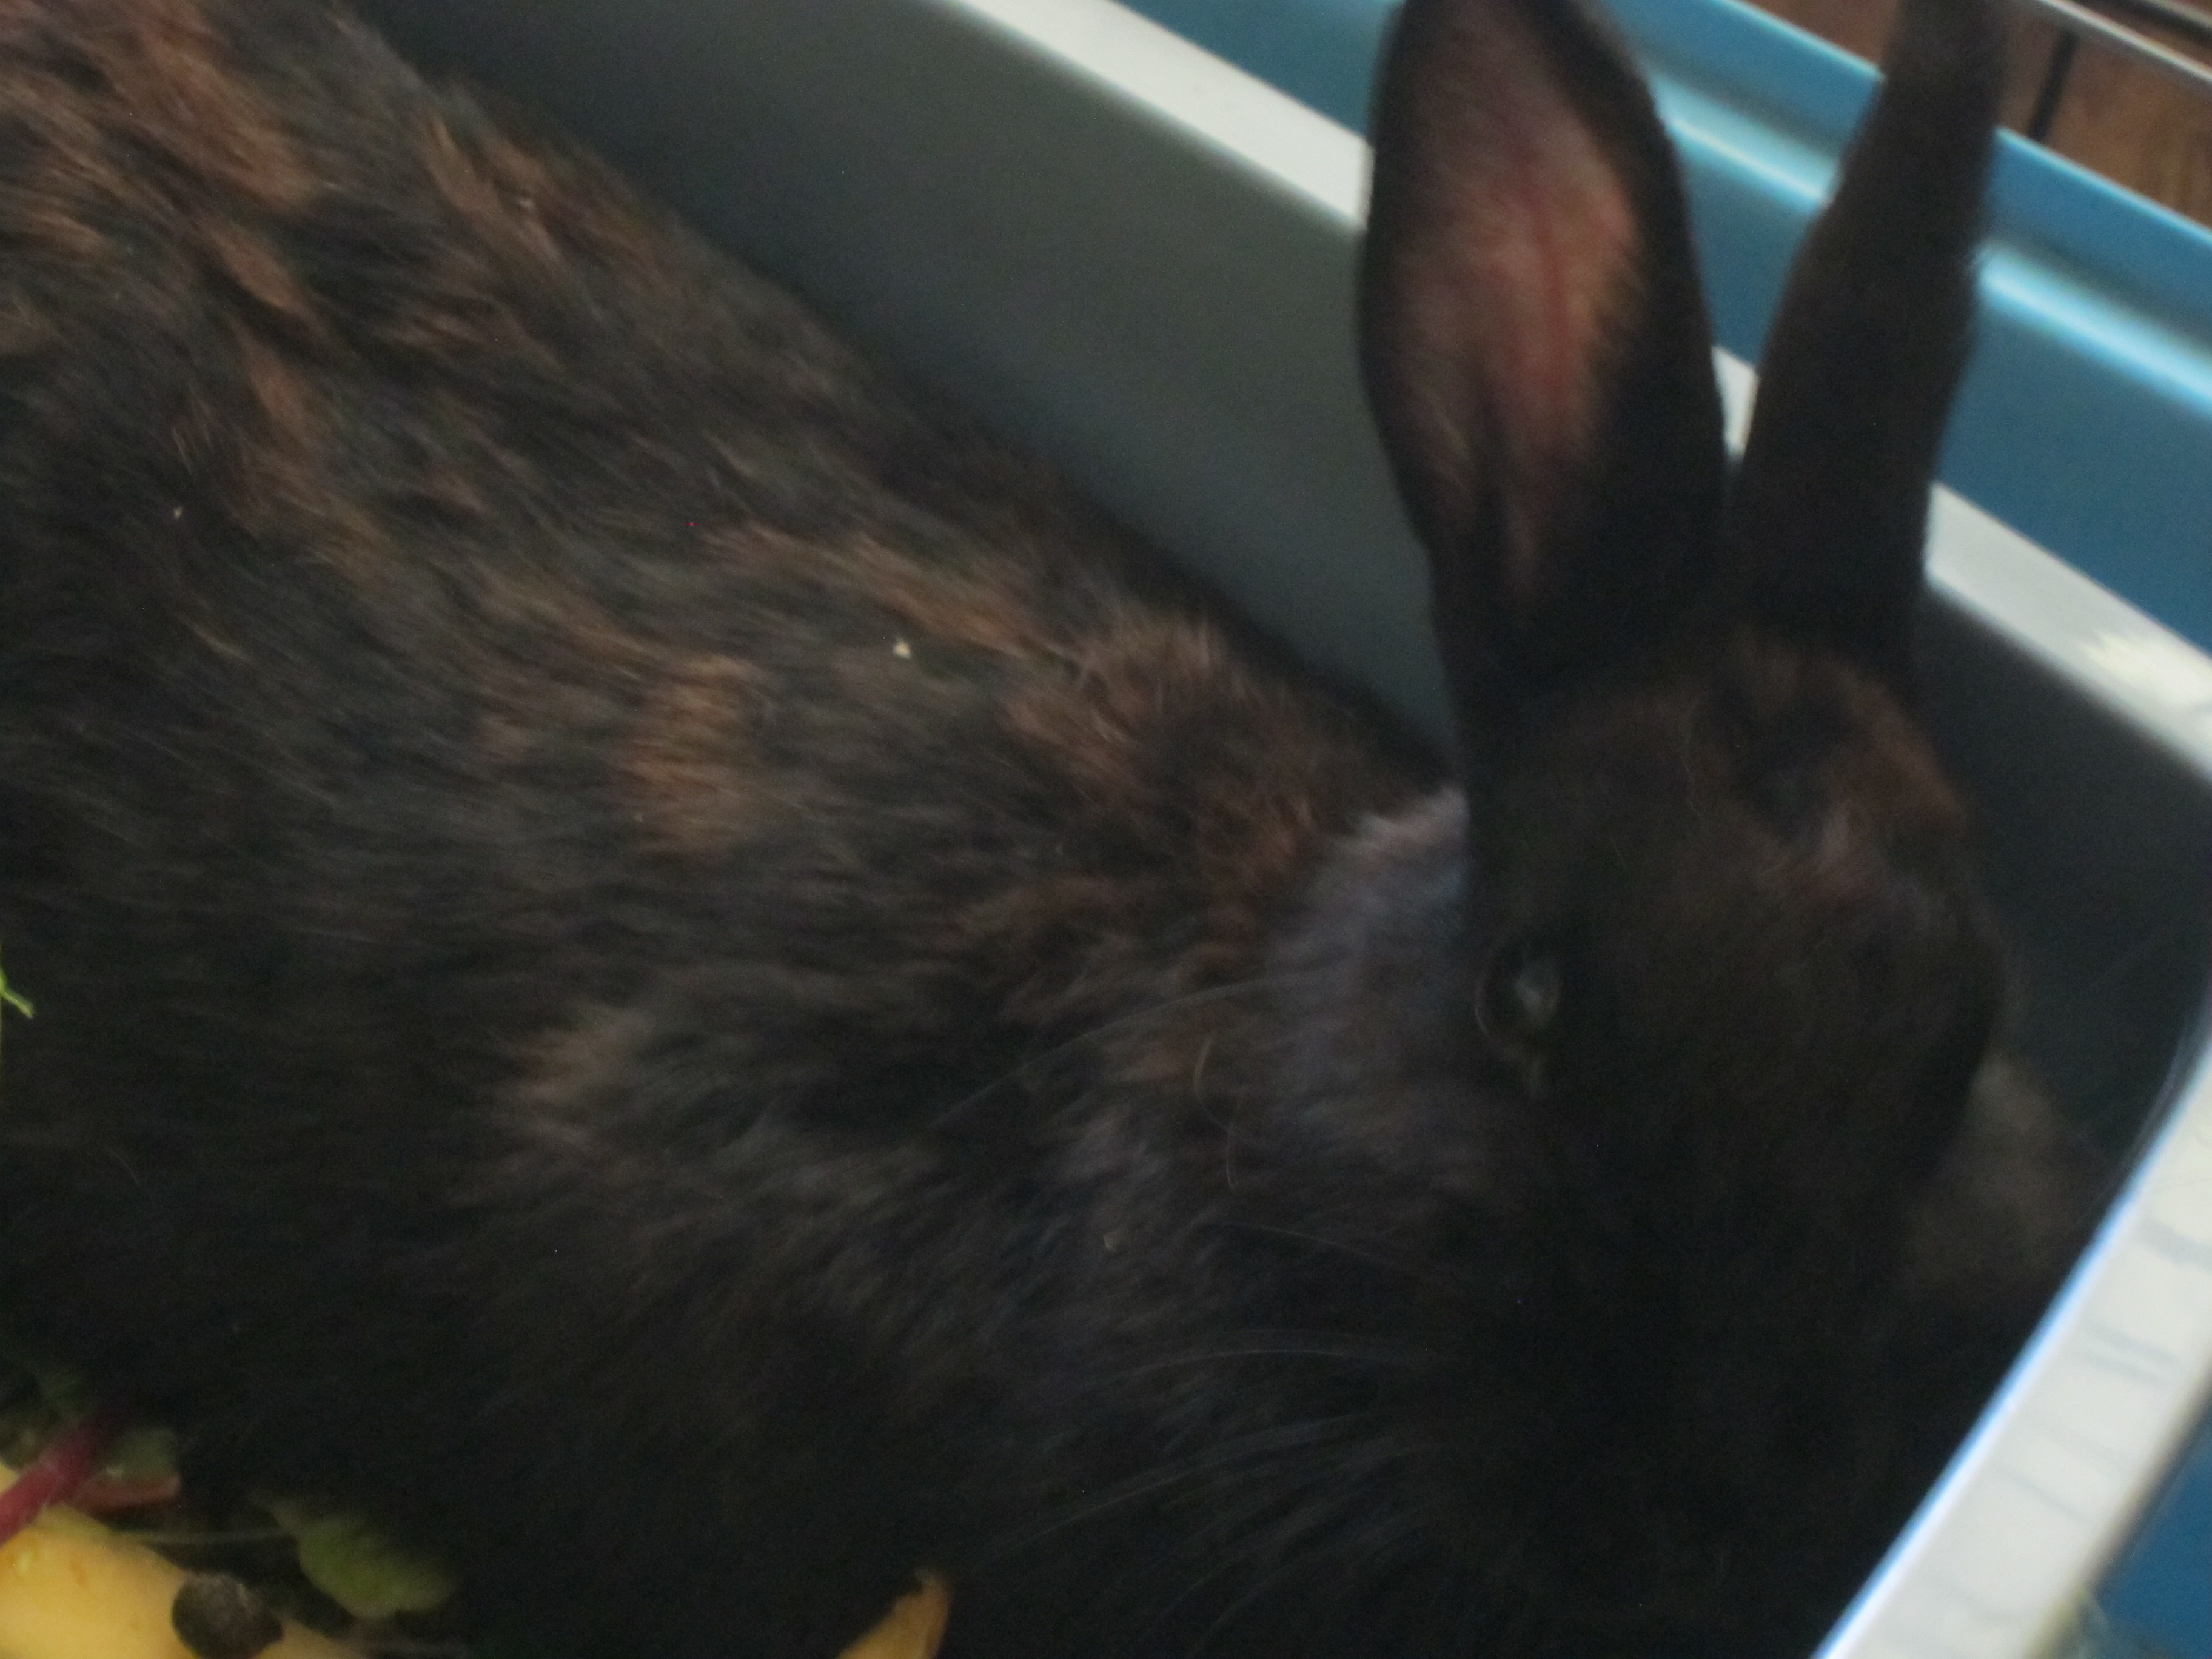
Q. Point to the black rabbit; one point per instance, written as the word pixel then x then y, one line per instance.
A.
pixel 661 965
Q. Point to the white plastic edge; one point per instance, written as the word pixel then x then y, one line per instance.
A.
pixel 2055 1475
pixel 2057 1471
pixel 1283 142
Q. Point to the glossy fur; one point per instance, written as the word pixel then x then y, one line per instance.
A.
pixel 665 967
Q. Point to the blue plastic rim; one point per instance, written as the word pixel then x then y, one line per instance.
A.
pixel 2086 421
pixel 2158 1597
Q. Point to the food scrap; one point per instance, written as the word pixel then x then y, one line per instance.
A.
pixel 11 1001
pixel 913 1629
pixel 365 1573
pixel 220 1617
pixel 69 1587
pixel 56 1475
pixel 275 1580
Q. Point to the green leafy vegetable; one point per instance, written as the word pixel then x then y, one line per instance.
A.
pixel 366 1574
pixel 143 1452
pixel 11 999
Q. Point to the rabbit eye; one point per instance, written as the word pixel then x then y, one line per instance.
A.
pixel 1522 996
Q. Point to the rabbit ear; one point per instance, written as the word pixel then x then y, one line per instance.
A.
pixel 1828 513
pixel 1535 347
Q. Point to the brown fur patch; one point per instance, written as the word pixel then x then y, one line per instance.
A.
pixel 255 267
pixel 991 609
pixel 500 189
pixel 562 1066
pixel 273 452
pixel 978 601
pixel 24 329
pixel 287 405
pixel 549 665
pixel 1221 777
pixel 55 229
pixel 163 61
pixel 1096 727
pixel 686 765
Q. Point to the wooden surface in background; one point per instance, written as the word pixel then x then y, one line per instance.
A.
pixel 2148 130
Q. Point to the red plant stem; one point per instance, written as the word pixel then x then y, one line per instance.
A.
pixel 104 1495
pixel 54 1475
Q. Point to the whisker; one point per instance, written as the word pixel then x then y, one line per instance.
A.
pixel 1276 1353
pixel 1292 1346
pixel 1320 1241
pixel 1302 1560
pixel 1284 1512
pixel 1252 1447
pixel 1313 1500
pixel 1261 1588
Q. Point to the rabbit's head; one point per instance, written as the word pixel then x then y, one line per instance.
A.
pixel 1716 976
pixel 1673 1015
pixel 1650 1049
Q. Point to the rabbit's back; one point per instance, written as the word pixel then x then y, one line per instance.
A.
pixel 461 640
pixel 439 559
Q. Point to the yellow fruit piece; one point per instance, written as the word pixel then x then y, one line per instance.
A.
pixel 913 1629
pixel 70 1588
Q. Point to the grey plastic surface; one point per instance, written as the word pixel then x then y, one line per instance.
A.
pixel 1139 261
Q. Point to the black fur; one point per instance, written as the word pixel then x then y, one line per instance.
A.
pixel 694 985
pixel 1865 353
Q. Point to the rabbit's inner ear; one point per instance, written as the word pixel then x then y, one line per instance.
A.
pixel 1535 346
pixel 1503 244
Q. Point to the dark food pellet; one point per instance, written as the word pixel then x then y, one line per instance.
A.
pixel 218 1618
